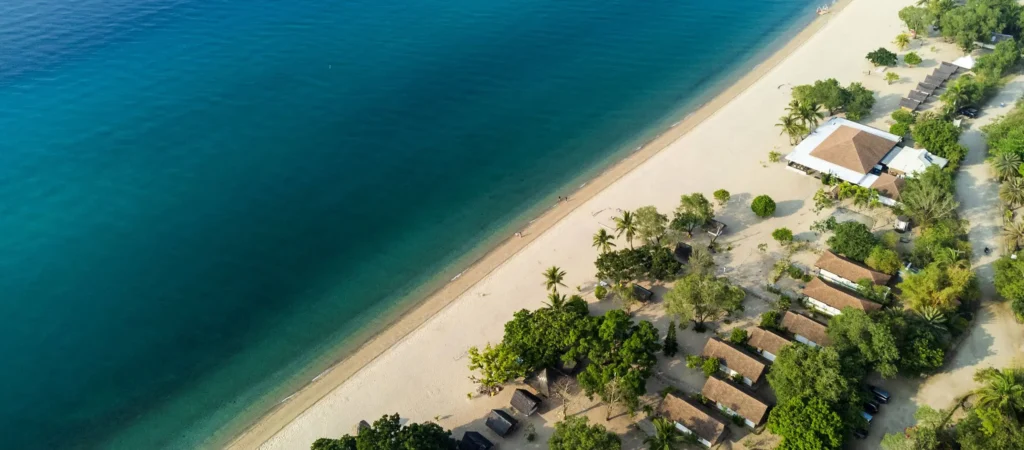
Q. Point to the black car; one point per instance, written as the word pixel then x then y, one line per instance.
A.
pixel 880 394
pixel 969 111
pixel 871 407
pixel 860 434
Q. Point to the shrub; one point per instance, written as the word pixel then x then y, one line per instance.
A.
pixel 903 116
pixel 783 235
pixel 700 398
pixel 770 320
pixel 763 206
pixel 911 59
pixel 795 272
pixel 721 196
pixel 774 156
pixel 806 278
pixel 711 366
pixel 738 420
pixel 738 378
pixel 738 336
pixel 883 57
pixel 600 292
pixel 884 260
pixel 899 129
pixel 694 361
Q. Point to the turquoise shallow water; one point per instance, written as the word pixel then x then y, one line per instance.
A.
pixel 199 198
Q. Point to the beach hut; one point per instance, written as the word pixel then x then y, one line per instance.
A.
pixel 474 441
pixel 362 425
pixel 525 402
pixel 947 67
pixel 909 104
pixel 540 381
pixel 642 293
pixel 926 88
pixel 938 74
pixel 500 422
pixel 682 253
pixel 934 80
pixel 918 96
pixel 715 228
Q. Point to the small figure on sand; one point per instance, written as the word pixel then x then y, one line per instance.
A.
pixel 519 234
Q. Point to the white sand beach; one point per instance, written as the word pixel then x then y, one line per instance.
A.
pixel 418 367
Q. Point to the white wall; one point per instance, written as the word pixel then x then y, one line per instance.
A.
pixel 822 307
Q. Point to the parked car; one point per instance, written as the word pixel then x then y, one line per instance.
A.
pixel 871 407
pixel 867 417
pixel 860 434
pixel 969 111
pixel 880 394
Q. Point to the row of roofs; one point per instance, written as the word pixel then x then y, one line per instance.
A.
pixel 920 94
pixel 861 155
pixel 835 287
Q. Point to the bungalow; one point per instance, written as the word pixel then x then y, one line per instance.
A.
pixel 736 402
pixel 692 419
pixel 767 343
pixel 805 329
pixel 735 361
pixel 500 422
pixel 889 188
pixel 831 299
pixel 839 270
pixel 993 39
pixel 845 149
pixel 525 402
pixel 474 441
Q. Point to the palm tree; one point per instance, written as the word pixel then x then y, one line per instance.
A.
pixel 955 96
pixel 1003 390
pixel 1007 165
pixel 701 262
pixel 791 125
pixel 553 278
pixel 1012 192
pixel 933 316
pixel 556 300
pixel 603 240
pixel 1013 233
pixel 927 206
pixel 666 435
pixel 810 114
pixel 626 225
pixel 902 41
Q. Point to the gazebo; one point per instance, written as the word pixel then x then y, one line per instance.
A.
pixel 525 402
pixel 474 441
pixel 500 422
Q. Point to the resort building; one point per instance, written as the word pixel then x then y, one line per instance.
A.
pixel 845 149
pixel 840 270
pixel 906 161
pixel 692 419
pixel 767 343
pixel 735 361
pixel 805 329
pixel 735 402
pixel 831 299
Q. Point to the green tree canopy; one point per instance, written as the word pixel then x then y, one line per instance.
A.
pixel 1006 135
pixel 576 433
pixel 722 196
pixel 387 433
pixel 859 102
pixel 917 19
pixel 883 57
pixel 1010 278
pixel 929 433
pixel 853 240
pixel 828 93
pixel 694 211
pixel 650 224
pixel 854 332
pixel 803 372
pixel 978 19
pixel 884 260
pixel 703 297
pixel 806 423
pixel 622 355
pixel 939 136
pixel 911 59
pixel 938 286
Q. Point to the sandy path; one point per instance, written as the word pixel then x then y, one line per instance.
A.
pixel 424 374
pixel 995 339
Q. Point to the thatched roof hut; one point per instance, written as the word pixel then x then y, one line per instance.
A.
pixel 525 402
pixel 500 422
pixel 474 441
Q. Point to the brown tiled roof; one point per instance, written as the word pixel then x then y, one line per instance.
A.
pixel 736 359
pixel 888 186
pixel 766 340
pixel 853 149
pixel 735 399
pixel 848 269
pixel 837 297
pixel 693 417
pixel 806 327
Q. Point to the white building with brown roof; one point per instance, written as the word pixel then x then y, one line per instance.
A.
pixel 692 419
pixel 846 272
pixel 735 402
pixel 734 361
pixel 831 299
pixel 767 343
pixel 805 329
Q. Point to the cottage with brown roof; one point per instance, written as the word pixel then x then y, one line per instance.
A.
pixel 736 402
pixel 846 272
pixel 692 419
pixel 844 149
pixel 890 188
pixel 735 361
pixel 805 329
pixel 831 299
pixel 767 343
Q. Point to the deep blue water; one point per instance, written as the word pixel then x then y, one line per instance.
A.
pixel 198 199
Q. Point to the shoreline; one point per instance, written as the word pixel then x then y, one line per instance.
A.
pixel 374 343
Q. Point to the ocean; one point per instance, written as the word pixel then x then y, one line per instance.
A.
pixel 200 200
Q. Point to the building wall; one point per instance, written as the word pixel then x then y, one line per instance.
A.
pixel 802 339
pixel 734 413
pixel 731 373
pixel 767 355
pixel 685 430
pixel 837 279
pixel 822 307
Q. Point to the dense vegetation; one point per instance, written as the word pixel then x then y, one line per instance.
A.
pixel 576 433
pixel 387 433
